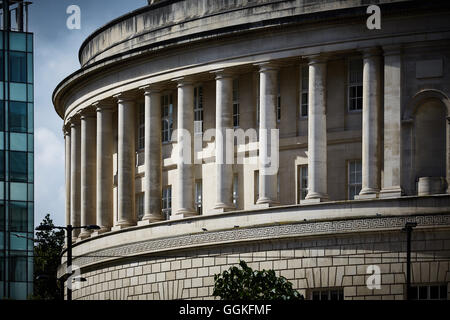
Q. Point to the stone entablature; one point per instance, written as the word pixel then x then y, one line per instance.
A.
pixel 169 22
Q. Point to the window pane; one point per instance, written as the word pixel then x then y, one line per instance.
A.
pixel 17 41
pixel 18 166
pixel 18 141
pixel 18 66
pixel 30 167
pixel 19 191
pixel 18 91
pixel 18 117
pixel 2 165
pixel 18 215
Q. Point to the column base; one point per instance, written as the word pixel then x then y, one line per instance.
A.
pixel 314 197
pixel 85 234
pixel 146 220
pixel 186 213
pixel 122 225
pixel 99 232
pixel 367 193
pixel 393 192
pixel 221 208
pixel 266 203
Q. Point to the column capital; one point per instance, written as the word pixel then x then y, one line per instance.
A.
pixel 267 66
pixel 223 73
pixel 392 50
pixel 316 58
pixel 183 81
pixel 371 52
pixel 73 120
pixel 124 97
pixel 104 105
pixel 151 88
pixel 66 129
pixel 87 113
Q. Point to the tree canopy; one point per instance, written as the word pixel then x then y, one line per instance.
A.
pixel 246 284
pixel 47 257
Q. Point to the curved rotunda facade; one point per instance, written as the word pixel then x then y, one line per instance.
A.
pixel 360 123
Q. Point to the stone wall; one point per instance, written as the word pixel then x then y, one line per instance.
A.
pixel 315 262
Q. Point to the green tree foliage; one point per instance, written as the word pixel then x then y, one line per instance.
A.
pixel 247 284
pixel 47 257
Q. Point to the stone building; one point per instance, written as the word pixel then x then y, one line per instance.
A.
pixel 362 120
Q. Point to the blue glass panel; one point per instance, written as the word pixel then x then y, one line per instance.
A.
pixel 1 83
pixel 1 66
pixel 18 290
pixel 30 93
pixel 17 41
pixel 1 39
pixel 2 240
pixel 2 165
pixel 17 242
pixel 30 116
pixel 2 190
pixel 19 191
pixel 18 217
pixel 30 43
pixel 2 145
pixel 17 116
pixel 18 166
pixel 30 68
pixel 30 217
pixel 30 192
pixel 17 66
pixel 2 116
pixel 30 142
pixel 18 91
pixel 30 167
pixel 18 141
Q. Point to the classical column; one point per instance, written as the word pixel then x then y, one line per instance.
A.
pixel 88 171
pixel 75 171
pixel 66 131
pixel 317 131
pixel 105 174
pixel 392 123
pixel 153 159
pixel 268 134
pixel 370 125
pixel 184 192
pixel 126 215
pixel 224 122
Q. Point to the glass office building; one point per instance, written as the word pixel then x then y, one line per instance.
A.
pixel 16 155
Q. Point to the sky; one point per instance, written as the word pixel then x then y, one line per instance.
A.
pixel 55 57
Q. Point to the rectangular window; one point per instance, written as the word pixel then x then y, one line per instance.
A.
pixel 18 66
pixel 355 88
pixel 304 87
pixel 18 216
pixel 256 185
pixel 141 127
pixel 236 190
pixel 2 165
pixel 17 268
pixel 18 166
pixel 354 178
pixel 2 116
pixel 327 294
pixel 167 117
pixel 429 292
pixel 167 202
pixel 198 196
pixel 302 180
pixel 198 109
pixel 17 116
pixel 236 103
pixel 140 205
